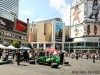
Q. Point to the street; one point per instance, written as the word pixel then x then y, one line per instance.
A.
pixel 77 67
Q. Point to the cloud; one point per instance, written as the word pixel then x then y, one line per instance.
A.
pixel 27 12
pixel 63 8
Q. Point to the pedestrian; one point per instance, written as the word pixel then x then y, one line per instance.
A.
pixel 76 56
pixel 18 57
pixel 13 53
pixel 25 54
pixel 87 56
pixel 0 54
pixel 99 56
pixel 61 57
pixel 93 58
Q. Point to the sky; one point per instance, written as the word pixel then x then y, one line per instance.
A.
pixel 37 10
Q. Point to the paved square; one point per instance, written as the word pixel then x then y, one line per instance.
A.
pixel 77 67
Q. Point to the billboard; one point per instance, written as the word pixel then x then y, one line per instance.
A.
pixel 9 25
pixel 77 14
pixel 21 26
pixel 77 31
pixel 6 24
pixel 93 29
pixel 93 11
pixel 2 22
pixel 58 32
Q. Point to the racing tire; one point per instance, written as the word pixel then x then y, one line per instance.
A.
pixel 32 62
pixel 54 65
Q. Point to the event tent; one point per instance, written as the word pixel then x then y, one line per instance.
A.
pixel 2 46
pixel 11 47
pixel 25 48
pixel 52 50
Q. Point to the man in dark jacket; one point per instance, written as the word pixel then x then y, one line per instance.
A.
pixel 93 58
pixel 25 54
pixel 18 57
pixel 61 57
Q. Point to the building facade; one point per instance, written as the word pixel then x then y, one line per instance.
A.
pixel 12 28
pixel 50 33
pixel 85 26
pixel 8 6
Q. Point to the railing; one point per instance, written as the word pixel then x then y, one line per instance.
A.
pixel 83 47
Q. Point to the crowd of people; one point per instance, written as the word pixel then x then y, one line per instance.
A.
pixel 85 55
pixel 26 55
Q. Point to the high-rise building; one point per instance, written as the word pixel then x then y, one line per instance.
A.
pixel 10 29
pixel 11 6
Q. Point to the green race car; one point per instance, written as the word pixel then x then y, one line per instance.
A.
pixel 48 60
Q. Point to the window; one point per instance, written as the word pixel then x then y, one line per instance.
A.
pixel 19 37
pixel 44 29
pixel 95 44
pixel 80 44
pixel 5 33
pixel 31 30
pixel 89 43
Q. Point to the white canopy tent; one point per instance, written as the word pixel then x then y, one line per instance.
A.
pixel 11 47
pixel 2 46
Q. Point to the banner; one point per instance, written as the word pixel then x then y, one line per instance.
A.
pixel 93 10
pixel 77 31
pixel 21 26
pixel 2 22
pixel 93 29
pixel 6 24
pixel 58 32
pixel 77 14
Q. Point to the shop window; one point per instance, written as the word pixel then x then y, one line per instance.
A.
pixel 5 33
pixel 19 37
pixel 95 44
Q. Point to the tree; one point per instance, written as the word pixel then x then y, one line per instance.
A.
pixel 29 45
pixel 15 44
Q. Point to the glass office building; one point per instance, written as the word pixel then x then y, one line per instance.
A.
pixel 7 6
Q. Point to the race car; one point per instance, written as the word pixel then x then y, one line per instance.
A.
pixel 54 60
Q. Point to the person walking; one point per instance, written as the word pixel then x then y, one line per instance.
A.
pixel 99 56
pixel 13 53
pixel 18 57
pixel 87 55
pixel 0 54
pixel 25 55
pixel 93 58
pixel 61 57
pixel 77 56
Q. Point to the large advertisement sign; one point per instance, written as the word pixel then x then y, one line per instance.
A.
pixel 77 14
pixel 93 29
pixel 9 25
pixel 2 22
pixel 77 31
pixel 93 10
pixel 21 26
pixel 6 24
pixel 58 32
